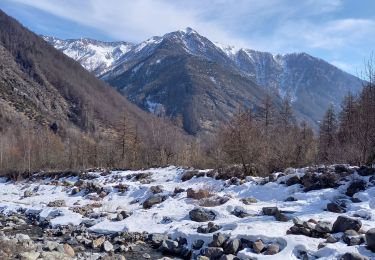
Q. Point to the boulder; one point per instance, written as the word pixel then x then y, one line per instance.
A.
pixel 56 204
pixel 69 250
pixel 29 255
pixel 366 171
pixel 156 189
pixel 107 246
pixel 370 239
pixel 197 244
pixel 248 201
pixel 323 227
pixel 210 228
pixel 352 238
pixel 258 246
pixel 202 215
pixel 153 200
pixel 170 246
pixel 344 223
pixel 281 217
pixel 240 212
pixel 270 211
pixel 293 180
pixel 231 246
pixel 212 252
pixel 353 256
pixel 218 240
pixel 272 249
pixel 156 239
pixel 356 186
pixel 334 207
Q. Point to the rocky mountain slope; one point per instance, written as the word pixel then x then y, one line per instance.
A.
pixel 184 74
pixel 41 84
pixel 307 213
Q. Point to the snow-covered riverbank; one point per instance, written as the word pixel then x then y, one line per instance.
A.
pixel 157 201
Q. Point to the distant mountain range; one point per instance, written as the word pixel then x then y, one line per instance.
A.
pixel 184 75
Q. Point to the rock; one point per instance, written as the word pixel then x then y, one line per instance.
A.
pixel 187 175
pixel 178 190
pixel 370 239
pixel 75 190
pixel 218 240
pixel 69 250
pixel 323 227
pixel 156 239
pixel 107 246
pixel 153 200
pixel 213 201
pixel 291 198
pixel 248 201
pixel 331 239
pixel 197 244
pixel 29 255
pixel 366 171
pixel 201 257
pixel 96 243
pixel 146 256
pixel 228 257
pixel 333 207
pixel 56 204
pixel 212 252
pixel 293 180
pixel 281 217
pixel 202 215
pixel 170 246
pixel 298 222
pixel 353 256
pixel 51 245
pixel 344 223
pixel 355 187
pixel 231 246
pixel 28 193
pixel 156 189
pixel 272 249
pixel 240 212
pixel 352 238
pixel 210 228
pixel 54 256
pixel 270 211
pixel 258 246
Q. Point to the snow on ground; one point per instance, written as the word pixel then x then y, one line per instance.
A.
pixel 172 215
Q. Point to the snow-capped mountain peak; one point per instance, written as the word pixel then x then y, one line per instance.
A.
pixel 95 56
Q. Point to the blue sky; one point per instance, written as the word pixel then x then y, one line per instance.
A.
pixel 339 31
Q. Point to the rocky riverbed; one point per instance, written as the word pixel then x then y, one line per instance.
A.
pixel 177 213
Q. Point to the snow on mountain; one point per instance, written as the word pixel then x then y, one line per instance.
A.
pixel 95 56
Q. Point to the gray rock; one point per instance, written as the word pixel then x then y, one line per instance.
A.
pixel 212 252
pixel 153 200
pixel 210 228
pixel 240 212
pixel 344 223
pixel 156 189
pixel 54 256
pixel 323 227
pixel 156 239
pixel 231 246
pixel 258 246
pixel 197 244
pixel 353 256
pixel 333 207
pixel 270 211
pixel 28 193
pixel 107 246
pixel 202 215
pixel 370 239
pixel 281 217
pixel 170 246
pixel 249 201
pixel 228 257
pixel 298 222
pixel 29 255
pixel 272 249
pixel 218 240
pixel 57 204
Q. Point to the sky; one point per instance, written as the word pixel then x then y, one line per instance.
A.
pixel 338 31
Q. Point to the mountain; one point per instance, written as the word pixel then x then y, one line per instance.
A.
pixel 95 56
pixel 41 84
pixel 184 75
